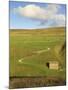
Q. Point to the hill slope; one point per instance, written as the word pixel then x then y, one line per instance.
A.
pixel 30 50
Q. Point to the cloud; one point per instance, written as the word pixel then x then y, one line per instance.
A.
pixel 56 20
pixel 50 12
pixel 59 19
pixel 31 11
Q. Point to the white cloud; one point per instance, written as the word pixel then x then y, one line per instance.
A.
pixel 53 8
pixel 59 19
pixel 31 11
pixel 50 12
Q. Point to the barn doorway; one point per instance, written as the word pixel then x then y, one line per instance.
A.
pixel 47 64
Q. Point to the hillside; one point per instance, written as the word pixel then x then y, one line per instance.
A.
pixel 31 50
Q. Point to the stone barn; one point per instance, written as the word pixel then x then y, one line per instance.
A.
pixel 53 65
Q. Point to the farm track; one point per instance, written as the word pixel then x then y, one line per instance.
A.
pixel 34 53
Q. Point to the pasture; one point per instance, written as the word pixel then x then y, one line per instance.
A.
pixel 30 50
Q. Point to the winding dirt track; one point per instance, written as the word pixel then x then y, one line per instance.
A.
pixel 35 53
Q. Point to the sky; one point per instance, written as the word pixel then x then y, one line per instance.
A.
pixel 33 15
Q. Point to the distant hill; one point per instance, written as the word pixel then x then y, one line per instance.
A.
pixel 55 30
pixel 52 28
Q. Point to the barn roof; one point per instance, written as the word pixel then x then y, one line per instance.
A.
pixel 55 62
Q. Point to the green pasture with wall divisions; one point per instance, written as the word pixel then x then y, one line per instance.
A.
pixel 30 50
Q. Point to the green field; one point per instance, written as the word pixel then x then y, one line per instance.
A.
pixel 30 50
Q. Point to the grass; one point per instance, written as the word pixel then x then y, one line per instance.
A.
pixel 24 44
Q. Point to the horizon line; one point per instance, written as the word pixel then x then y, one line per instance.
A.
pixel 37 28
